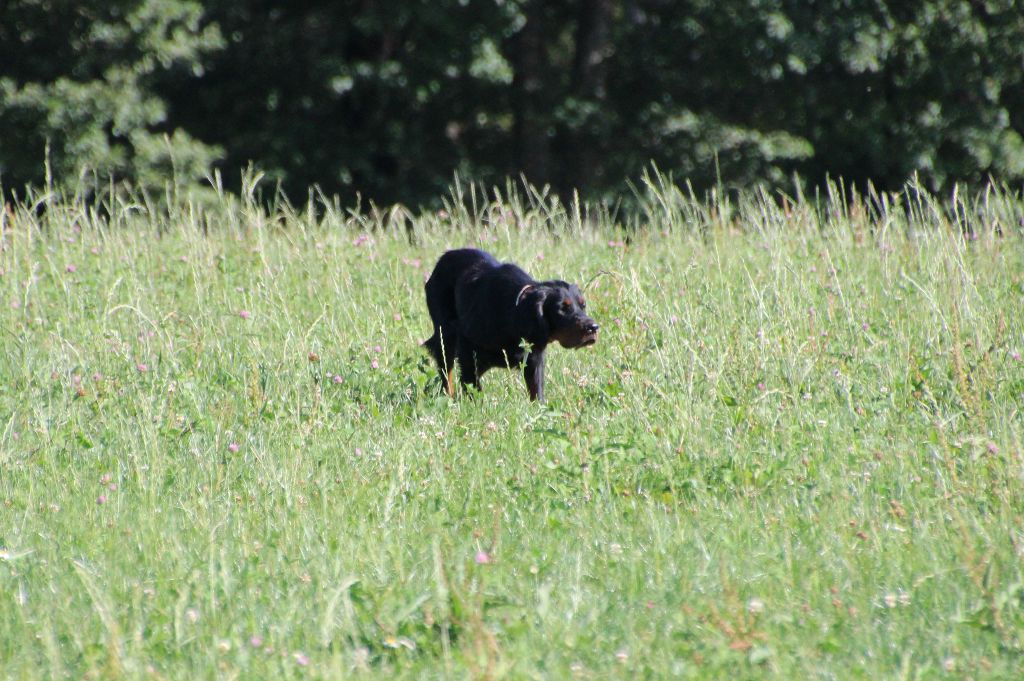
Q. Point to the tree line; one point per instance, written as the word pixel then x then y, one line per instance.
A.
pixel 388 99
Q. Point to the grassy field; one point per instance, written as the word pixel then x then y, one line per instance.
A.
pixel 795 452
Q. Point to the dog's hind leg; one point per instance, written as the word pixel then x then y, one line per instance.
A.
pixel 469 367
pixel 448 349
pixel 444 348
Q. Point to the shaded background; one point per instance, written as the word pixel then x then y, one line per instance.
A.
pixel 388 99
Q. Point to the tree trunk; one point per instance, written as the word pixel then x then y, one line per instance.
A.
pixel 530 131
pixel 589 76
pixel 593 38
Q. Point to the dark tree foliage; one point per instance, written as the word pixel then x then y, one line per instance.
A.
pixel 77 78
pixel 383 98
pixel 388 99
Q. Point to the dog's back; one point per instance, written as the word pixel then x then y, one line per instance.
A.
pixel 440 287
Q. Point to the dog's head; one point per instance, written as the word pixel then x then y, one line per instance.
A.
pixel 556 311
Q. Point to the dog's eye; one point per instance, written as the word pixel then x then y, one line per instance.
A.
pixel 566 304
pixel 583 304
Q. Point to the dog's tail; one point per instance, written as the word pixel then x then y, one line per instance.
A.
pixel 440 301
pixel 440 292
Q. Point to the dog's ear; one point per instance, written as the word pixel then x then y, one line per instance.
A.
pixel 530 319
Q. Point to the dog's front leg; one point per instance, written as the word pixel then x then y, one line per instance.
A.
pixel 534 373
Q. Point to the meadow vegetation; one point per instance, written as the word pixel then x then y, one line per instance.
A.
pixel 795 451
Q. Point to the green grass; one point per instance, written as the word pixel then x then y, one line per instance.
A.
pixel 795 452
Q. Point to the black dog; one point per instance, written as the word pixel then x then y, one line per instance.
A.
pixel 483 310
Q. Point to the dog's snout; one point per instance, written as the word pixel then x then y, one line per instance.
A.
pixel 592 327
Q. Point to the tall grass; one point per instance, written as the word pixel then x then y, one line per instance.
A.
pixel 795 451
